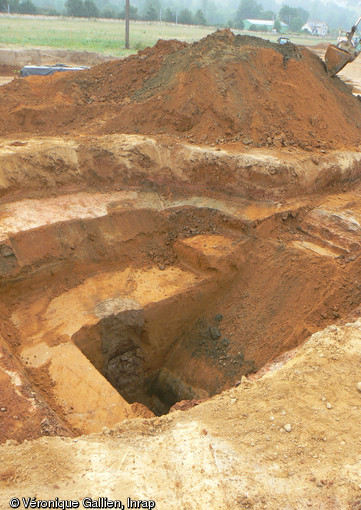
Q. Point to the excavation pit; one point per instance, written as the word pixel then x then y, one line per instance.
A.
pixel 179 309
pixel 122 302
pixel 252 306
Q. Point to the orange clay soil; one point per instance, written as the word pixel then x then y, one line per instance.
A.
pixel 222 88
pixel 142 274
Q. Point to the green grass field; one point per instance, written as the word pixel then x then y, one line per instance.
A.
pixel 102 36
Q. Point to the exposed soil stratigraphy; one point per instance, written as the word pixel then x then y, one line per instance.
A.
pixel 180 280
pixel 165 287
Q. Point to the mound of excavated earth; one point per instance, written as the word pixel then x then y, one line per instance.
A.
pixel 180 322
pixel 224 87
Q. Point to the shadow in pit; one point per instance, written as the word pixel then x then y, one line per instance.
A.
pixel 114 347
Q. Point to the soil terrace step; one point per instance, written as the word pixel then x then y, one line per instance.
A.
pixel 24 412
pixel 317 249
pixel 56 165
pixel 80 394
pixel 336 223
pixel 34 231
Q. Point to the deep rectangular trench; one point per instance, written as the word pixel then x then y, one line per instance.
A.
pixel 125 201
pixel 285 283
pixel 289 293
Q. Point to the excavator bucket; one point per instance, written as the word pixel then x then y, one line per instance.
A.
pixel 335 59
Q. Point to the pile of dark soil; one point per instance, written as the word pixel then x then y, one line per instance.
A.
pixel 7 70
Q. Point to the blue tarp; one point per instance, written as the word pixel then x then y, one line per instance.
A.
pixel 47 70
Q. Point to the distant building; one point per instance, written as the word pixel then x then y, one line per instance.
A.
pixel 267 25
pixel 316 27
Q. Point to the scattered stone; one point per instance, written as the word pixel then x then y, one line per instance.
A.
pixel 161 267
pixel 246 383
pixel 215 334
pixel 6 251
pixel 328 405
pixel 225 342
pixel 359 386
pixel 218 317
pixel 287 427
pixel 3 409
pixel 46 427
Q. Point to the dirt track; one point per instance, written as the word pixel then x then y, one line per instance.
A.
pixel 146 273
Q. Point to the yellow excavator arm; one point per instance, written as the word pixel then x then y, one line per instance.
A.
pixel 337 56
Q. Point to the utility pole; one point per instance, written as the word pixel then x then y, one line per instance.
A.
pixel 127 24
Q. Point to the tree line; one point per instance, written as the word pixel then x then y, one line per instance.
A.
pixel 294 17
pixel 173 11
pixel 90 9
pixel 151 12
